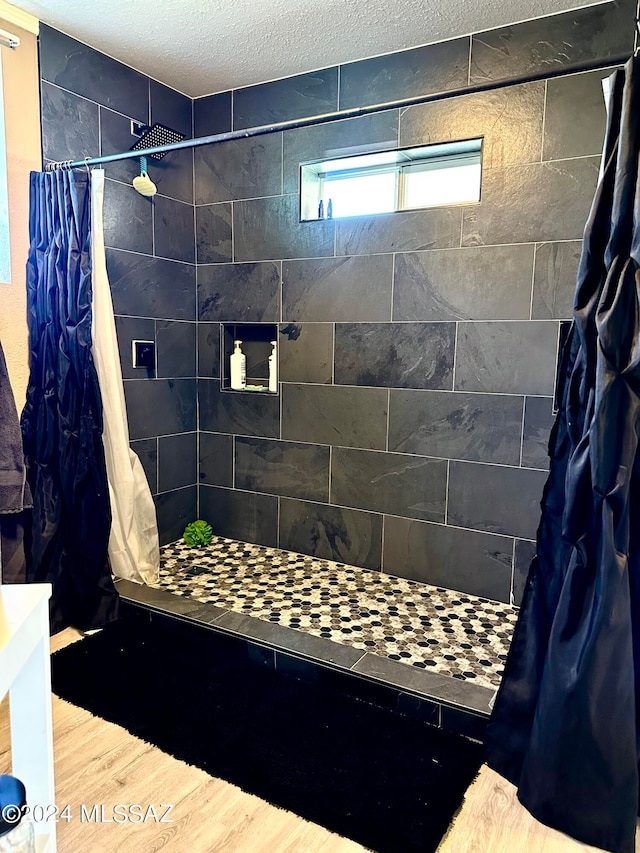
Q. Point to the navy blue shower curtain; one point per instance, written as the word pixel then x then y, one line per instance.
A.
pixel 66 542
pixel 565 725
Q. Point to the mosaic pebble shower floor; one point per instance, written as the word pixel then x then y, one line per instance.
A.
pixel 457 635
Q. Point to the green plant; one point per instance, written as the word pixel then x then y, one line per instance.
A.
pixel 198 534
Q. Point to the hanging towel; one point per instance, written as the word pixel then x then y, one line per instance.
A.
pixel 14 491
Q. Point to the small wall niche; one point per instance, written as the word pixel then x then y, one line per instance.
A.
pixel 256 345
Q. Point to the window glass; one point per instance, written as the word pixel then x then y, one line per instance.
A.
pixel 387 181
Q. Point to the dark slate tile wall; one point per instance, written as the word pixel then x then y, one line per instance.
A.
pixel 417 350
pixel 88 103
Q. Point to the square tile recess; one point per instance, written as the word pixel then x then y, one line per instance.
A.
pixel 439 630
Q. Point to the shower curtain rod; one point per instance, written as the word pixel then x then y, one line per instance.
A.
pixel 354 112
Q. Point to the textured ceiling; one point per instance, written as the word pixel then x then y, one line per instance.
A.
pixel 205 46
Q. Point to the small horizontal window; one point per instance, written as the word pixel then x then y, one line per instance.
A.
pixel 386 181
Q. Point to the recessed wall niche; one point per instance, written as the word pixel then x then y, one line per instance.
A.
pixel 256 345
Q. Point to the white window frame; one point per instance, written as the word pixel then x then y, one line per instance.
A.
pixel 316 175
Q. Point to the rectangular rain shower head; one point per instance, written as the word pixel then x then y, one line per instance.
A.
pixel 150 137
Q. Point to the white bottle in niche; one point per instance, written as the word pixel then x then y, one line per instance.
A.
pixel 273 368
pixel 238 368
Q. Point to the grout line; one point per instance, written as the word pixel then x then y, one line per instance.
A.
pixel 513 575
pixel 333 355
pixel 524 408
pixel 330 471
pixel 282 164
pixel 278 520
pixel 446 496
pixel 533 280
pixel 232 106
pixel 233 461
pixel 388 417
pixel 233 233
pixel 393 283
pixel 382 546
pixel 544 119
pixel 157 439
pixel 338 100
pixel 455 359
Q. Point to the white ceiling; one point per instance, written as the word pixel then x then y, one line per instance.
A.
pixel 205 46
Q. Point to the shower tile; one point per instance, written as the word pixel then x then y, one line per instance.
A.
pixel 336 139
pixel 508 358
pixel 129 329
pixel 508 120
pixel 240 515
pixel 576 116
pixel 405 74
pixel 411 230
pixel 463 723
pixel 305 352
pixel 115 136
pixel 237 412
pixel 242 293
pixel 293 641
pixel 151 287
pixel 282 468
pixel 270 228
pixel 72 65
pixel 69 125
pixel 216 459
pixel 479 283
pixel 565 40
pixel 127 219
pixel 177 461
pixel 496 499
pixel 411 486
pixel 214 234
pixel 554 280
pixel 209 350
pixel 331 533
pixel 430 683
pixel 174 511
pixel 477 427
pixel 146 450
pixel 160 406
pixel 419 638
pixel 537 202
pixel 477 563
pixel 240 168
pixel 283 100
pixel 171 108
pixel 153 598
pixel 337 289
pixel 173 175
pixel 174 229
pixel 176 343
pixel 212 114
pixel 407 355
pixel 524 554
pixel 538 420
pixel 321 414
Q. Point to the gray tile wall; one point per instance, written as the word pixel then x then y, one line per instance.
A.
pixel 416 350
pixel 88 102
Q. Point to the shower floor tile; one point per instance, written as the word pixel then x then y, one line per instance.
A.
pixel 439 630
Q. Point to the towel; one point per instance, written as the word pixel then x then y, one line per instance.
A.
pixel 14 491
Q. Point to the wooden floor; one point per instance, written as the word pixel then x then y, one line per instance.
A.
pixel 100 763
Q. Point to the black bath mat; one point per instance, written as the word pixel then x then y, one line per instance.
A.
pixel 387 781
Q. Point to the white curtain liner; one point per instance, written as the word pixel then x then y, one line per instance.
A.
pixel 134 551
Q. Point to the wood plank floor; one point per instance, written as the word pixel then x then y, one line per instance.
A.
pixel 100 763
